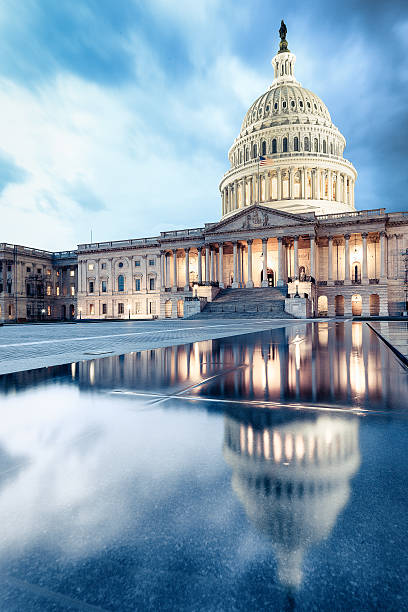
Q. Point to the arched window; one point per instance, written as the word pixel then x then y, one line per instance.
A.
pixel 316 145
pixel 263 147
pixel 296 143
pixel 255 151
pixel 240 157
pixel 285 145
pixel 306 143
pixel 246 154
pixel 324 147
pixel 274 146
pixel 121 282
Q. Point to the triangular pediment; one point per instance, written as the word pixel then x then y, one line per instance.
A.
pixel 257 217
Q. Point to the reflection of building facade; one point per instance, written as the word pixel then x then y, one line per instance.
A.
pixel 287 215
pixel 293 479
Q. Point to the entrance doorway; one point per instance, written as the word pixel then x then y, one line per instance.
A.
pixel 356 305
pixel 270 277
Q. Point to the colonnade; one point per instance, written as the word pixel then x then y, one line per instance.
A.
pixel 288 184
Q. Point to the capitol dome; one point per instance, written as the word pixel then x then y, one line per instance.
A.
pixel 289 154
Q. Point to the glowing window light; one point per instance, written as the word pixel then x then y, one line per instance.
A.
pixel 299 447
pixel 242 438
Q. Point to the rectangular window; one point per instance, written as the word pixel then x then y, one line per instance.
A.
pixel 48 272
pixel 137 284
pixel 137 263
pixel 48 289
pixel 58 290
pixel 49 311
pixel 8 286
pixel 103 287
pixel 91 266
pixel 151 284
pixel 151 262
pixel 8 268
pixel 91 309
pixel 91 286
pixel 72 272
pixel 1 287
pixel 28 270
pixel 137 308
pixel 38 270
pixel 104 308
pixel 103 266
pixel 58 272
pixel 72 290
pixel 152 307
pixel 121 308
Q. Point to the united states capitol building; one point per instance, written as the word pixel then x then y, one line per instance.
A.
pixel 289 241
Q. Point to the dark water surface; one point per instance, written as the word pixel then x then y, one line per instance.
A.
pixel 263 471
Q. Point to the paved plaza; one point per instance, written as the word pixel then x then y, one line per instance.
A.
pixel 23 347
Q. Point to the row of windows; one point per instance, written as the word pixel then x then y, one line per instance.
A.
pixel 309 145
pixel 151 262
pixel 291 105
pixel 121 284
pixel 121 308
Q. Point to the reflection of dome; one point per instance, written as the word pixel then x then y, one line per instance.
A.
pixel 293 481
pixel 291 128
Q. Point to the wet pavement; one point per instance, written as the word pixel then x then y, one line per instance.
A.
pixel 261 471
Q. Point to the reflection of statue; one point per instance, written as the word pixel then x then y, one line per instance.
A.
pixel 293 479
pixel 283 30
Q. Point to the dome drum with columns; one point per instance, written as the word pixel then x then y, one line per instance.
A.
pixel 303 169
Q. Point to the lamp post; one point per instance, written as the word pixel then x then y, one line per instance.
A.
pixel 129 310
pixel 43 313
pixel 80 313
pixel 297 289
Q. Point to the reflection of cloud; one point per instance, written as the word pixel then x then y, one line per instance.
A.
pixel 293 480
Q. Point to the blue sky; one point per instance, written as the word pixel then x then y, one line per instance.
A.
pixel 117 115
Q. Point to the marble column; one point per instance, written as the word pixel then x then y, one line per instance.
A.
pixel 318 182
pixel 267 187
pixel 296 255
pixel 162 270
pixel 200 265
pixel 187 285
pixel 249 282
pixel 364 279
pixel 250 200
pixel 207 264
pixel 264 262
pixel 330 188
pixel 235 266
pixel 235 195
pixel 382 256
pixel 280 281
pixel 243 193
pixel 211 264
pixel 338 184
pixel 174 286
pixel 291 183
pixel 330 261
pixel 312 257
pixel 279 183
pixel 220 264
pixel 347 259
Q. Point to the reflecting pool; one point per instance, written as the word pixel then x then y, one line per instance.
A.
pixel 262 471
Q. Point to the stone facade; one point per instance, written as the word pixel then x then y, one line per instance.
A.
pixel 288 219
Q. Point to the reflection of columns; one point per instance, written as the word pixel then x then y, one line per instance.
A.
pixel 264 262
pixel 347 259
pixel 279 183
pixel 200 265
pixel 330 260
pixel 382 260
pixel 162 270
pixel 235 267
pixel 312 257
pixel 187 285
pixel 280 262
pixel 220 264
pixel 249 282
pixel 174 287
pixel 364 275
pixel 296 254
pixel 207 264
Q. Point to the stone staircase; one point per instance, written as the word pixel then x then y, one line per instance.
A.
pixel 256 303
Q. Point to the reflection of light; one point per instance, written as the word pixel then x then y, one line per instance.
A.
pixel 357 374
pixel 258 444
pixel 73 370
pixel 288 447
pixel 92 373
pixel 299 447
pixel 357 334
pixel 250 440
pixel 242 438
pixel 296 341
pixel 277 447
pixel 266 443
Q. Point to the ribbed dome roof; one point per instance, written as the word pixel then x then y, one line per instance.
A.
pixel 286 103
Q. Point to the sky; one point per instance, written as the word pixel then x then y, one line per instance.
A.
pixel 116 116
